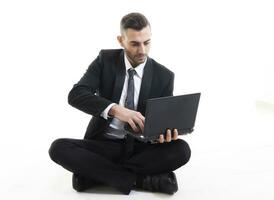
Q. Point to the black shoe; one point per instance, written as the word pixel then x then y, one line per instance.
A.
pixel 165 183
pixel 80 183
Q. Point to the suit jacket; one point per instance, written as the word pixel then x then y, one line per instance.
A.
pixel 103 82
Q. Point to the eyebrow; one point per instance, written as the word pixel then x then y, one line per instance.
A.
pixel 139 42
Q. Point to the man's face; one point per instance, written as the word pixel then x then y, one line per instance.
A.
pixel 136 44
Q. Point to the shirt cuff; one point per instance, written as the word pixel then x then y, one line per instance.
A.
pixel 104 114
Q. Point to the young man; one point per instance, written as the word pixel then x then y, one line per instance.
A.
pixel 114 91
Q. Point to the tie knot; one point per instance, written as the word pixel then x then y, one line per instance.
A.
pixel 131 72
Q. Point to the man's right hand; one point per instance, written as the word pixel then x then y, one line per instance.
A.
pixel 134 118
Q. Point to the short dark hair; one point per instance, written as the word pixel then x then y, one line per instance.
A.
pixel 136 21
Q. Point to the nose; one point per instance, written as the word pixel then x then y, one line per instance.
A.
pixel 142 49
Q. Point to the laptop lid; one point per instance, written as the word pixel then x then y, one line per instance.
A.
pixel 170 112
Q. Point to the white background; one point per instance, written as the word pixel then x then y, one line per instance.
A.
pixel 223 49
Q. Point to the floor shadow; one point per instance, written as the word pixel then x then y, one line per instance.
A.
pixel 103 189
pixel 108 190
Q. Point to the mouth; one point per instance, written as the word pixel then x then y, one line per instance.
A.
pixel 141 57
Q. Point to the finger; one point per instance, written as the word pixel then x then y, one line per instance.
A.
pixel 175 134
pixel 140 123
pixel 133 126
pixel 168 135
pixel 143 123
pixel 141 117
pixel 161 138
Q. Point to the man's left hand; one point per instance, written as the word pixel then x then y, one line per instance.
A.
pixel 168 136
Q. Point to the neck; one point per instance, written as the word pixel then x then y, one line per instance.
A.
pixel 131 62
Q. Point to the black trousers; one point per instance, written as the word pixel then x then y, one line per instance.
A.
pixel 107 161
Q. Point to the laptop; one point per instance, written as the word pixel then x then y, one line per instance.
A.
pixel 168 112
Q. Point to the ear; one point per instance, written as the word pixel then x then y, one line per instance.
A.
pixel 120 40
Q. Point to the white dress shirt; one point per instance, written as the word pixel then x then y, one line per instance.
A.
pixel 116 123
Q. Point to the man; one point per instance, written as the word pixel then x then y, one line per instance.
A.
pixel 114 91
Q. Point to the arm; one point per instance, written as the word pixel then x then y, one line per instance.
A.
pixel 168 91
pixel 83 94
pixel 83 97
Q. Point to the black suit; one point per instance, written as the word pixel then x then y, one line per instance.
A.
pixel 106 76
pixel 100 86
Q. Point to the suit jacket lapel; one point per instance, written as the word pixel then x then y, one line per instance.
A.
pixel 120 79
pixel 145 86
pixel 120 73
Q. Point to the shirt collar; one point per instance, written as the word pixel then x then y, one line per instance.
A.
pixel 139 69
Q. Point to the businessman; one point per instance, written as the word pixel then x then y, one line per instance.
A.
pixel 114 90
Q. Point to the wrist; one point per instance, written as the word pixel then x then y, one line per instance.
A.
pixel 113 110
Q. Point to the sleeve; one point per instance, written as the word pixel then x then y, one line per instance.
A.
pixel 84 94
pixel 168 91
pixel 104 114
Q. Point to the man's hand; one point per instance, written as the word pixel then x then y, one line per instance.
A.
pixel 168 136
pixel 134 118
